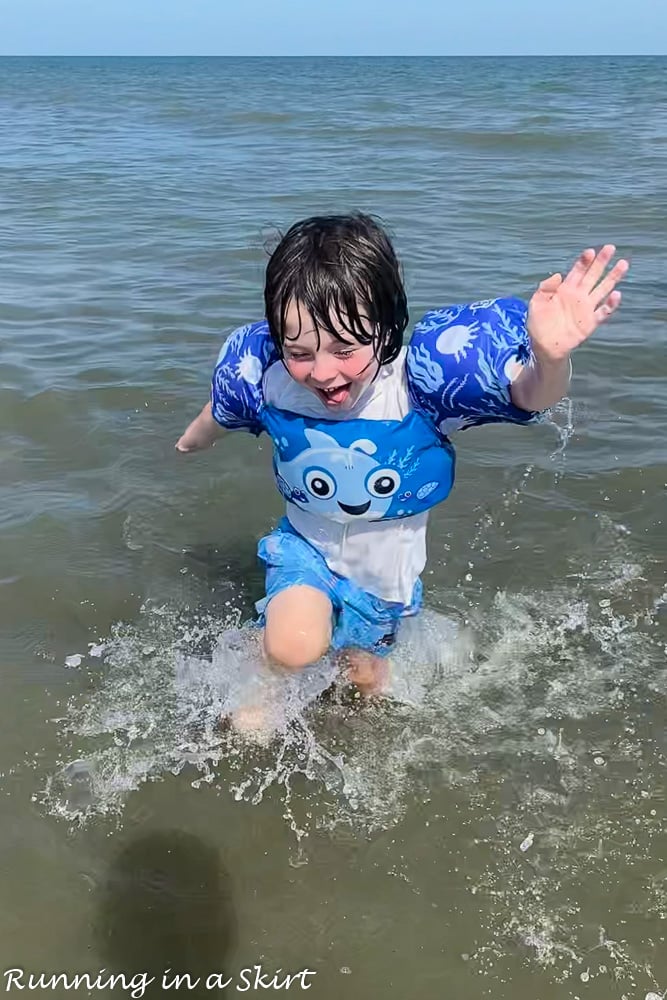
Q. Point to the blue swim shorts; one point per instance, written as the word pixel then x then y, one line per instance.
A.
pixel 360 619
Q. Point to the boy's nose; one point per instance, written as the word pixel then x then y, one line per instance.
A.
pixel 324 369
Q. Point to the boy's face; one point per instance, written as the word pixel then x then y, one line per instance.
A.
pixel 336 371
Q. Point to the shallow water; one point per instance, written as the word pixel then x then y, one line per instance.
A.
pixel 498 824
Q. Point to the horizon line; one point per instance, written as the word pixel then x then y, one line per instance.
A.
pixel 315 55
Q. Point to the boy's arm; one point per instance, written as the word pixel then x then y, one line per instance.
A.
pixel 236 397
pixel 201 433
pixel 562 314
pixel 541 384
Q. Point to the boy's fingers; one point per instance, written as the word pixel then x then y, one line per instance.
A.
pixel 550 284
pixel 608 307
pixel 580 267
pixel 609 282
pixel 598 266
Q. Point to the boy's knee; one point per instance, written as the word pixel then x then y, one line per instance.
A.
pixel 294 652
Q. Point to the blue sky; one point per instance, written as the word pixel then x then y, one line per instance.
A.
pixel 331 27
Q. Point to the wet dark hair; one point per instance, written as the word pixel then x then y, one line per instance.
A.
pixel 340 268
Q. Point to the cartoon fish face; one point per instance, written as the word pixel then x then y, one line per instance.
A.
pixel 340 482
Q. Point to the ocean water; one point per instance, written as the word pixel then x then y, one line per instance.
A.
pixel 495 829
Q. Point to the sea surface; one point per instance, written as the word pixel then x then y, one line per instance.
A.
pixel 497 827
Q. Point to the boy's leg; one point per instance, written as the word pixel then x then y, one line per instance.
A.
pixel 365 634
pixel 297 630
pixel 367 671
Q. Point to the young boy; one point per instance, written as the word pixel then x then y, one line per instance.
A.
pixel 360 423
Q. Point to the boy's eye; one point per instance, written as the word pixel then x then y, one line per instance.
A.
pixel 344 354
pixel 297 357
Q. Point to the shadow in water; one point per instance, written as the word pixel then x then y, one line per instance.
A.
pixel 166 904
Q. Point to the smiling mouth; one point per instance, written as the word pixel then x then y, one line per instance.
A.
pixel 354 509
pixel 336 394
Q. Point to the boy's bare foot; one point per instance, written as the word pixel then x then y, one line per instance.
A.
pixel 368 672
pixel 257 715
pixel 255 722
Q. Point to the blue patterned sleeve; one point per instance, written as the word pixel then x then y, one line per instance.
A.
pixel 461 361
pixel 236 389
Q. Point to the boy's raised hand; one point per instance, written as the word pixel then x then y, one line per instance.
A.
pixel 564 312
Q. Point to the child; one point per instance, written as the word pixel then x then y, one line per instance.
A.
pixel 360 423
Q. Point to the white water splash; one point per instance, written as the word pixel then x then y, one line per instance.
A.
pixel 526 691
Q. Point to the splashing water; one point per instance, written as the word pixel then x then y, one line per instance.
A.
pixel 562 420
pixel 523 664
pixel 548 695
pixel 536 709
